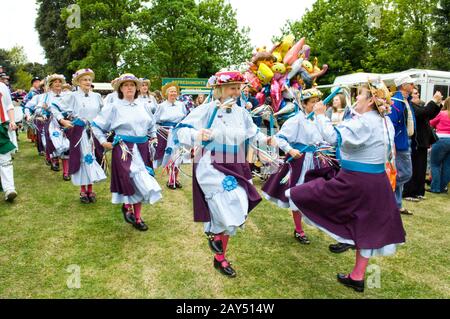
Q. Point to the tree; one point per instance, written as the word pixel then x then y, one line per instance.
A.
pixel 337 31
pixel 440 57
pixel 182 38
pixel 23 81
pixel 222 41
pixel 371 35
pixel 7 66
pixel 53 36
pixel 105 30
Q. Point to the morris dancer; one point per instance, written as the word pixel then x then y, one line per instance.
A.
pixel 145 95
pixel 57 144
pixel 168 115
pixel 132 181
pixel 223 192
pixel 300 139
pixel 357 206
pixel 86 153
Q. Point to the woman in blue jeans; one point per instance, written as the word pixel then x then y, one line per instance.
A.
pixel 440 152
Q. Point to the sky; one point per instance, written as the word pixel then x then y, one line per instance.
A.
pixel 265 18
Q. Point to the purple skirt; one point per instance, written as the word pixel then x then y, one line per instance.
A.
pixel 74 135
pixel 161 149
pixel 242 173
pixel 49 147
pixel 39 128
pixel 120 170
pixel 352 205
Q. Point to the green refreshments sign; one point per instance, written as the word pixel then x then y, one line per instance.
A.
pixel 187 83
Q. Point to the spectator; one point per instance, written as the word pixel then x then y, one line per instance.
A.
pixel 440 152
pixel 199 100
pixel 249 102
pixel 422 139
pixel 336 112
pixel 402 117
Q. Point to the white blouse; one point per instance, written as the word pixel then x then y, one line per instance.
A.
pixel 125 118
pixel 365 137
pixel 79 105
pixel 168 112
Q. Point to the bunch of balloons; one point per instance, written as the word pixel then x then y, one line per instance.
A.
pixel 279 72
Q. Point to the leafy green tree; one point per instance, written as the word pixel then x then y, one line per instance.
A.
pixel 440 57
pixel 183 38
pixel 105 28
pixel 53 36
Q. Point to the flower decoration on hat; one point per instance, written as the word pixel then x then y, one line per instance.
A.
pixel 80 73
pixel 227 77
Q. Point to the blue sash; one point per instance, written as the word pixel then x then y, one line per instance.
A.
pixel 130 139
pixel 363 167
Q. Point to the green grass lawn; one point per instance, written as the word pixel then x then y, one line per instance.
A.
pixel 47 229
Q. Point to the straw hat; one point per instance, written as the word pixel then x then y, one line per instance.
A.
pixel 80 73
pixel 226 78
pixel 53 77
pixel 127 77
pixel 167 86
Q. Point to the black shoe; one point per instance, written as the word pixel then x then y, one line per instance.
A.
pixel 171 186
pixel 178 185
pixel 340 247
pixel 140 225
pixel 48 163
pixel 215 245
pixel 55 167
pixel 128 215
pixel 84 198
pixel 41 153
pixel 66 178
pixel 224 267
pixel 404 211
pixel 92 197
pixel 302 239
pixel 357 285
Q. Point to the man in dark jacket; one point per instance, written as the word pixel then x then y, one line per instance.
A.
pixel 421 141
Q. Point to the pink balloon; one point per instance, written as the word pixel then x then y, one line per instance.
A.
pixel 292 54
pixel 261 97
pixel 275 94
pixel 253 80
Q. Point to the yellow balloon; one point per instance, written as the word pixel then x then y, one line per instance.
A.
pixel 278 55
pixel 308 66
pixel 264 73
pixel 279 68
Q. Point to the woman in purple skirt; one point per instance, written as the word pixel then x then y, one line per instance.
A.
pixel 357 206
pixel 223 193
pixel 304 146
pixel 132 176
pixel 86 153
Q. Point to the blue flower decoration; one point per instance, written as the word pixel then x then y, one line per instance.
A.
pixel 89 159
pixel 229 183
pixel 169 151
pixel 56 134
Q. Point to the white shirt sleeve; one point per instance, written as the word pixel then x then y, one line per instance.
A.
pixel 102 123
pixel 288 133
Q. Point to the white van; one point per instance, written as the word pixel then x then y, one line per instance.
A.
pixel 429 81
